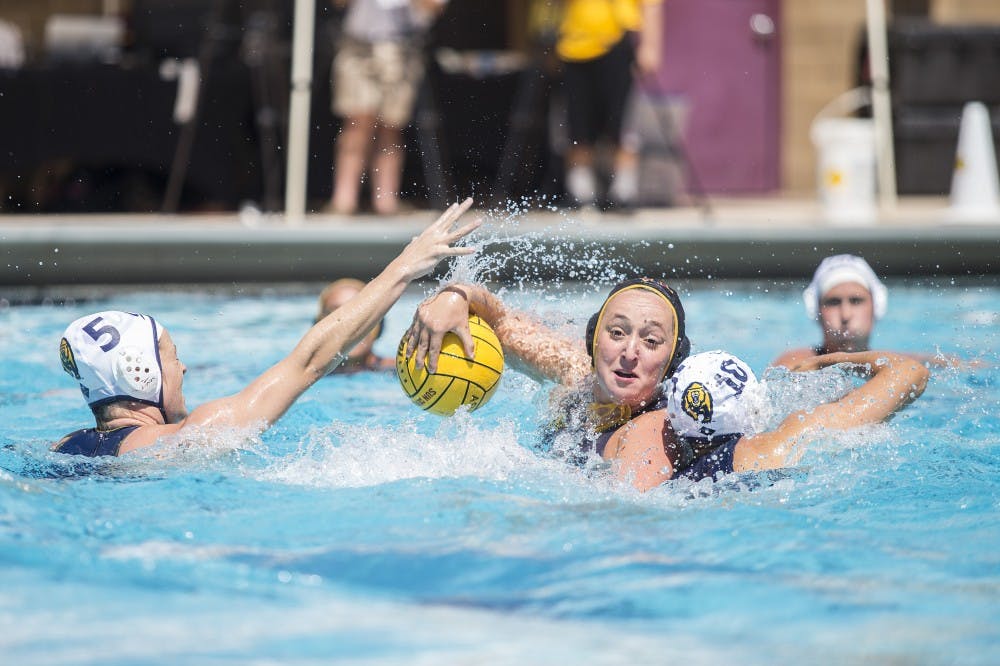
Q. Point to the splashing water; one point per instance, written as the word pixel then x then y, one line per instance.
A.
pixel 359 529
pixel 523 256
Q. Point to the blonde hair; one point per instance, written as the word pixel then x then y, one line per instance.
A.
pixel 342 283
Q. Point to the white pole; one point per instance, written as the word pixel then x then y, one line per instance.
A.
pixel 878 59
pixel 298 112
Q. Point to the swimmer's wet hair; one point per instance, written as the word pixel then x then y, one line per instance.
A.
pixel 352 283
pixel 682 346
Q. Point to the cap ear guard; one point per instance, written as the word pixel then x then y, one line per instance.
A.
pixel 138 371
pixel 680 354
pixel 589 336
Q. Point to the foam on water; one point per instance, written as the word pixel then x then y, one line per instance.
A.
pixel 360 530
pixel 349 456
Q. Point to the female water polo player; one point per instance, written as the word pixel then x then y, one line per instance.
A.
pixel 633 342
pixel 131 376
pixel 711 402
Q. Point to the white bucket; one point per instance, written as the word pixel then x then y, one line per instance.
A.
pixel 845 165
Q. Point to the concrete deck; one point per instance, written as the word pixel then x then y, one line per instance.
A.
pixel 739 238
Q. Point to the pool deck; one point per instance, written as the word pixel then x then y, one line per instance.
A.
pixel 737 238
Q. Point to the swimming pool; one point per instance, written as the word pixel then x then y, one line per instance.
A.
pixel 360 530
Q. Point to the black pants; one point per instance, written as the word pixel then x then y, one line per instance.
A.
pixel 596 93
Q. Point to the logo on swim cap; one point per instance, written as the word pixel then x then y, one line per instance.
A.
pixel 68 362
pixel 714 394
pixel 697 402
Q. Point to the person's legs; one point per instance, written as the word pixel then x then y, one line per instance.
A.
pixel 581 178
pixel 614 77
pixel 624 189
pixel 386 169
pixel 351 155
pixel 400 70
pixel 355 100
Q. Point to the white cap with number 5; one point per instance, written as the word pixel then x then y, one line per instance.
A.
pixel 115 356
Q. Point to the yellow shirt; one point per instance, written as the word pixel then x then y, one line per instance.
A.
pixel 590 28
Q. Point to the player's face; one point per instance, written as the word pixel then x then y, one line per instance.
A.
pixel 173 380
pixel 846 313
pixel 634 343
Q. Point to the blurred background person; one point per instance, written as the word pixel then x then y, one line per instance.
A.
pixel 846 298
pixel 362 356
pixel 377 71
pixel 11 46
pixel 603 46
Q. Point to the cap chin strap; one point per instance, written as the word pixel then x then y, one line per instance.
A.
pixel 605 416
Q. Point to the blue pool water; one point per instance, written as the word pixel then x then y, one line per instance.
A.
pixel 359 530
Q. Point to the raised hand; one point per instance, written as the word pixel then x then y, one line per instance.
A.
pixel 434 243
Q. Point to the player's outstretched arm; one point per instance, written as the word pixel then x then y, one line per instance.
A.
pixel 326 343
pixel 894 381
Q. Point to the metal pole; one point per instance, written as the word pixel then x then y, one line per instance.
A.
pixel 298 115
pixel 878 59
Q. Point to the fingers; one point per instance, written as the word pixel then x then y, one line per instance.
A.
pixel 453 212
pixel 465 335
pixel 433 352
pixel 411 339
pixel 460 208
pixel 442 228
pixel 420 348
pixel 425 349
pixel 423 345
pixel 462 232
pixel 447 217
pixel 452 250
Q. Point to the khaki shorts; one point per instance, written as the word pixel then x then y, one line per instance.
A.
pixel 380 79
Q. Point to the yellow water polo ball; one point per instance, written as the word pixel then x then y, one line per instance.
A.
pixel 458 381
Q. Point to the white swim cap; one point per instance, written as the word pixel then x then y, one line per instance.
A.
pixel 712 395
pixel 837 270
pixel 115 356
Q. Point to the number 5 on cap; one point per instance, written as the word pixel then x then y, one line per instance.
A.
pixel 96 333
